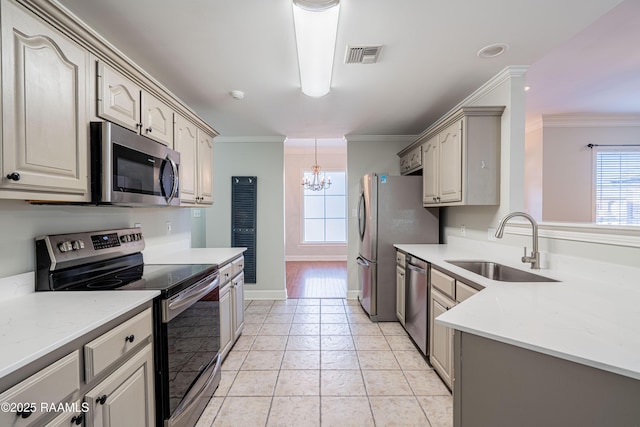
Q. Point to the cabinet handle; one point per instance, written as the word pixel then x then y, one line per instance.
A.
pixel 130 338
pixel 149 129
pixel 24 414
pixel 14 176
pixel 77 419
pixel 102 399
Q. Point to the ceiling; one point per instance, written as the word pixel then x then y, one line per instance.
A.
pixel 202 49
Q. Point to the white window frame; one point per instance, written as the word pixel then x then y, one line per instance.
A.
pixel 326 172
pixel 594 198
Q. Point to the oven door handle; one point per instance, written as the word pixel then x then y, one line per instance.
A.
pixel 188 297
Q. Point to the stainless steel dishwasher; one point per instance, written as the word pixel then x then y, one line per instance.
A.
pixel 416 314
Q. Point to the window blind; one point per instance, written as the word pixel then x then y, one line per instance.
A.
pixel 618 187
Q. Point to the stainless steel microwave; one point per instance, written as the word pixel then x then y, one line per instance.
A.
pixel 128 169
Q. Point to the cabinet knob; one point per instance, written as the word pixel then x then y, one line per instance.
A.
pixel 102 399
pixel 24 414
pixel 77 419
pixel 149 129
pixel 138 125
pixel 130 338
pixel 14 176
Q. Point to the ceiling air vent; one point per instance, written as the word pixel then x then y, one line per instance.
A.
pixel 362 54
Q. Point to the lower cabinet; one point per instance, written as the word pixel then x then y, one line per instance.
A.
pixel 441 341
pixel 231 304
pixel 125 397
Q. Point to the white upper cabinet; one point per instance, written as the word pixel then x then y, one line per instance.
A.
pixel 461 159
pixel 196 162
pixel 123 102
pixel 44 111
pixel 118 98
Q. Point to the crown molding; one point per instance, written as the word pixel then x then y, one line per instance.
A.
pixel 250 139
pixel 380 138
pixel 590 120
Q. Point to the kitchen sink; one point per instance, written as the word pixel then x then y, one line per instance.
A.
pixel 502 273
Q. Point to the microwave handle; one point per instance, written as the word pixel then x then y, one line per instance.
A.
pixel 174 188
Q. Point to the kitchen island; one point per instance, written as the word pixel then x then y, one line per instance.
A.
pixel 543 353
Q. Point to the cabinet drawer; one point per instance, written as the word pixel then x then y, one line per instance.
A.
pixel 51 385
pixel 464 291
pixel 226 272
pixel 238 266
pixel 100 353
pixel 400 259
pixel 444 283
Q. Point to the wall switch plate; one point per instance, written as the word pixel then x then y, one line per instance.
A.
pixel 168 223
pixel 463 230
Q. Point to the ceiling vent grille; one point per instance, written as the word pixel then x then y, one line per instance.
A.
pixel 362 54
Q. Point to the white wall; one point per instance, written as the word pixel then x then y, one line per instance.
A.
pixel 298 160
pixel 366 154
pixel 21 223
pixel 533 173
pixel 263 158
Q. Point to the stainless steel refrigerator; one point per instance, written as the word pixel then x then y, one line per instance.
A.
pixel 389 211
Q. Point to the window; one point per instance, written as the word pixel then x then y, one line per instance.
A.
pixel 617 187
pixel 325 211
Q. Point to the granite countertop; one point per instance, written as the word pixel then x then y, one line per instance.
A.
pixel 591 316
pixel 217 256
pixel 37 323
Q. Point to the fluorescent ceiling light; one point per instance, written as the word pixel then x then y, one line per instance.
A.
pixel 316 25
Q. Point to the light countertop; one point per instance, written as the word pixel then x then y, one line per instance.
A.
pixel 217 256
pixel 592 316
pixel 35 324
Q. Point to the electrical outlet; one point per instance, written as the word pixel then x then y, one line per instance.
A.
pixel 137 225
pixel 168 223
pixel 196 213
pixel 463 230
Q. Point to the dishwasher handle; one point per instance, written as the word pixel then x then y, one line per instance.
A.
pixel 416 268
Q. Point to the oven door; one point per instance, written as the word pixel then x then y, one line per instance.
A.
pixel 136 171
pixel 190 363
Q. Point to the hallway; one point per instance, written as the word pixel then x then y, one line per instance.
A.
pixel 316 279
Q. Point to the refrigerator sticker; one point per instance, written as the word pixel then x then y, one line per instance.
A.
pixel 383 179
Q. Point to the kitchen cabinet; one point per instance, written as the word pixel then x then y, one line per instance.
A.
pixel 69 418
pixel 126 397
pixel 122 101
pixel 196 162
pixel 445 293
pixel 400 287
pixel 411 162
pixel 461 159
pixel 45 127
pixel 231 304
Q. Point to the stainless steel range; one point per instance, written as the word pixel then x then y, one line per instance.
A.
pixel 186 314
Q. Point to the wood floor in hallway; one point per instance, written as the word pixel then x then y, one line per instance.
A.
pixel 316 279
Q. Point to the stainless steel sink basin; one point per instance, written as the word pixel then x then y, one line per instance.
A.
pixel 495 271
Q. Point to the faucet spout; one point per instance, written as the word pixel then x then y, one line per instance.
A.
pixel 534 258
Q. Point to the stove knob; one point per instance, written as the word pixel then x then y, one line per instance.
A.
pixel 77 245
pixel 123 239
pixel 128 236
pixel 65 246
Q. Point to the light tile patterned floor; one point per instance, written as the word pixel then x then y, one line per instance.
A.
pixel 312 362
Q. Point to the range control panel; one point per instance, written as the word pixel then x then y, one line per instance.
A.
pixel 65 249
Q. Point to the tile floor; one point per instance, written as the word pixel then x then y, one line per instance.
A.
pixel 311 362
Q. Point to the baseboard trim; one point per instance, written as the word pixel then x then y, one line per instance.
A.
pixel 268 294
pixel 316 258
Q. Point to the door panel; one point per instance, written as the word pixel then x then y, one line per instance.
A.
pixel 367 280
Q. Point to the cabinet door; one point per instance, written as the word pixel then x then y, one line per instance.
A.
pixel 441 341
pixel 450 148
pixel 44 108
pixel 157 120
pixel 237 294
pixel 430 172
pixel 400 294
pixel 226 321
pixel 118 98
pixel 186 142
pixel 205 167
pixel 125 398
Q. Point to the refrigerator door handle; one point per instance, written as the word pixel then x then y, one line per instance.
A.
pixel 362 216
pixel 363 262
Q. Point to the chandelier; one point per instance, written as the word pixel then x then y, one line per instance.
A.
pixel 317 182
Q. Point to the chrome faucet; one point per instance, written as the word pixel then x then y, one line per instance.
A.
pixel 534 258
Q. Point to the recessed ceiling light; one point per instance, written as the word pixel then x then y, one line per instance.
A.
pixel 493 50
pixel 527 88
